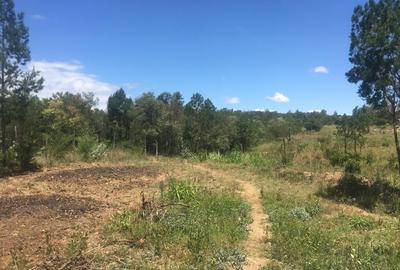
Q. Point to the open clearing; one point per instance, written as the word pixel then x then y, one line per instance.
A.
pixel 45 207
pixel 56 203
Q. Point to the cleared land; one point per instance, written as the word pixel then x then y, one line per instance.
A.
pixel 42 211
pixel 307 214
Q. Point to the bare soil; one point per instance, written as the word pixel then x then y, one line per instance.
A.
pixel 52 205
pixel 256 243
pixel 44 209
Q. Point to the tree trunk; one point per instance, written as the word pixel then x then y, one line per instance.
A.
pixel 2 114
pixel 145 145
pixel 3 138
pixel 396 138
pixel 156 148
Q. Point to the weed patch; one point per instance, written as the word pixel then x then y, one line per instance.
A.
pixel 196 226
pixel 304 238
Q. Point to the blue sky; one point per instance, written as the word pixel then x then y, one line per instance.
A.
pixel 278 55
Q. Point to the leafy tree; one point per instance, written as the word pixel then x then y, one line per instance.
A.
pixel 15 83
pixel 360 127
pixel 118 107
pixel 199 122
pixel 27 119
pixel 171 128
pixel 149 119
pixel 345 130
pixel 68 117
pixel 375 55
pixel 352 129
pixel 281 129
pixel 249 131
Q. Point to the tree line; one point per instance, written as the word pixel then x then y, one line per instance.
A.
pixel 165 124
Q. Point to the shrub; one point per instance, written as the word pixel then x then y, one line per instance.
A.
pixel 370 158
pixel 300 213
pixel 89 149
pixel 56 147
pixel 366 194
pixel 335 156
pixel 352 166
pixel 85 146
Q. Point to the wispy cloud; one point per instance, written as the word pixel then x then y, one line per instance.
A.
pixel 321 69
pixel 279 97
pixel 232 100
pixel 38 17
pixel 70 76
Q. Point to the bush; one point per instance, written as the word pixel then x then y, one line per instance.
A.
pixel 335 156
pixel 56 147
pixel 89 149
pixel 366 194
pixel 85 146
pixel 352 166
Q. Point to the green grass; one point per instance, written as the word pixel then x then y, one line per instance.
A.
pixel 304 236
pixel 188 225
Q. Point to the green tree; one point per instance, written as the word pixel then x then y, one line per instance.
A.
pixel 360 126
pixel 199 123
pixel 352 129
pixel 345 130
pixel 375 55
pixel 14 82
pixel 68 117
pixel 281 129
pixel 171 128
pixel 27 119
pixel 118 107
pixel 149 114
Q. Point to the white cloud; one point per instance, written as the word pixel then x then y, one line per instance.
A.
pixel 321 69
pixel 38 17
pixel 263 110
pixel 232 100
pixel 70 76
pixel 316 110
pixel 279 97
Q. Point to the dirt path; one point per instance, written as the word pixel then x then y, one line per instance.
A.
pixel 255 244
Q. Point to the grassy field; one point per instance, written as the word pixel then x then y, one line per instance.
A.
pixel 133 212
